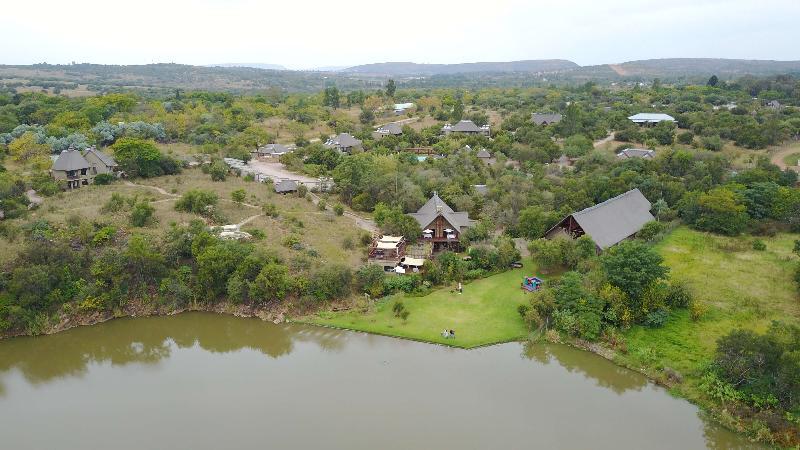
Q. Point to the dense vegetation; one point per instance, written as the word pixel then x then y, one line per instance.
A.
pixel 710 173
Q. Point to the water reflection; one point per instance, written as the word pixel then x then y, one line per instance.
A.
pixel 605 373
pixel 148 341
pixel 358 391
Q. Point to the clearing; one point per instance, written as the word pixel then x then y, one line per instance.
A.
pixel 743 288
pixel 486 313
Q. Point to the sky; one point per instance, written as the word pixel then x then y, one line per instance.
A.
pixel 302 34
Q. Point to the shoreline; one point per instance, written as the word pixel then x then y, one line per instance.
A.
pixel 277 314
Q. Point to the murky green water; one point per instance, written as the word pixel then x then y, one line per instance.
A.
pixel 204 381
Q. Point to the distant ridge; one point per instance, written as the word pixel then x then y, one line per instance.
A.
pixel 410 68
pixel 250 65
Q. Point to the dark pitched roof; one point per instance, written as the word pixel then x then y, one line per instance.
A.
pixel 540 118
pixel 615 219
pixel 437 207
pixel 285 186
pixel 390 128
pixel 343 140
pixel 70 160
pixel 105 159
pixel 465 126
pixel 636 153
pixel 271 149
pixel 483 153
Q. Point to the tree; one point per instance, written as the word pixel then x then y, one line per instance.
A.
pixel 138 157
pixel 390 88
pixel 271 283
pixel 331 97
pixel 633 266
pixel 713 81
pixel 367 116
pixel 370 279
pixel 533 222
pixel 720 210
pixel 26 149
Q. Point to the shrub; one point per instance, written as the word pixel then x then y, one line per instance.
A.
pixel 759 245
pixel 322 205
pixel 238 195
pixel 197 201
pixel 218 170
pixel 302 190
pixel 657 318
pixel 398 308
pixel 697 310
pixel 338 209
pixel 270 210
pixel 347 243
pixel 678 296
pixel 104 178
pixel 142 214
pixel 651 231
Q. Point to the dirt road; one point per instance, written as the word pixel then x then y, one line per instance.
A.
pixel 781 153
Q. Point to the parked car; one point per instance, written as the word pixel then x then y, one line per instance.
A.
pixel 516 265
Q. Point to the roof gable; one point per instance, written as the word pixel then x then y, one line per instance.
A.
pixel 104 158
pixel 70 160
pixel 615 219
pixel 436 207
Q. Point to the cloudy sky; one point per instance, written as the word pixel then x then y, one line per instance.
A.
pixel 306 33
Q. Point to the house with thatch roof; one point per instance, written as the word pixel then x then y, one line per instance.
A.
pixel 485 156
pixel 72 169
pixel 636 153
pixel 545 118
pixel 440 224
pixel 390 129
pixel 272 151
pixel 607 223
pixel 100 162
pixel 466 127
pixel 344 143
pixel 286 186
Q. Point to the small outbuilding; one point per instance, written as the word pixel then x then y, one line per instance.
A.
pixel 650 118
pixel 466 127
pixel 272 150
pixel 607 223
pixel 545 118
pixel 390 129
pixel 636 153
pixel 286 186
pixel 344 143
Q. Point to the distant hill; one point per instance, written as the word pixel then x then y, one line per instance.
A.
pixel 680 68
pixel 251 65
pixel 410 68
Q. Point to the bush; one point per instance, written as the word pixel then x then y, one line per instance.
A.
pixel 678 296
pixel 218 170
pixel 657 318
pixel 270 210
pixel 322 205
pixel 302 190
pixel 338 209
pixel 759 245
pixel 104 178
pixel 651 231
pixel 686 137
pixel 697 310
pixel 398 308
pixel 142 214
pixel 238 195
pixel 197 201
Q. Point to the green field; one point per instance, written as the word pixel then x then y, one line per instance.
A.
pixel 791 159
pixel 486 313
pixel 742 287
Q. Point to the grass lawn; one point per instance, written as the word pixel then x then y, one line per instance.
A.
pixel 791 159
pixel 742 288
pixel 486 313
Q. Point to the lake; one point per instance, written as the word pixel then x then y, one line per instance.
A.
pixel 207 381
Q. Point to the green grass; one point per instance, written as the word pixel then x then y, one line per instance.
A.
pixel 791 159
pixel 486 313
pixel 743 288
